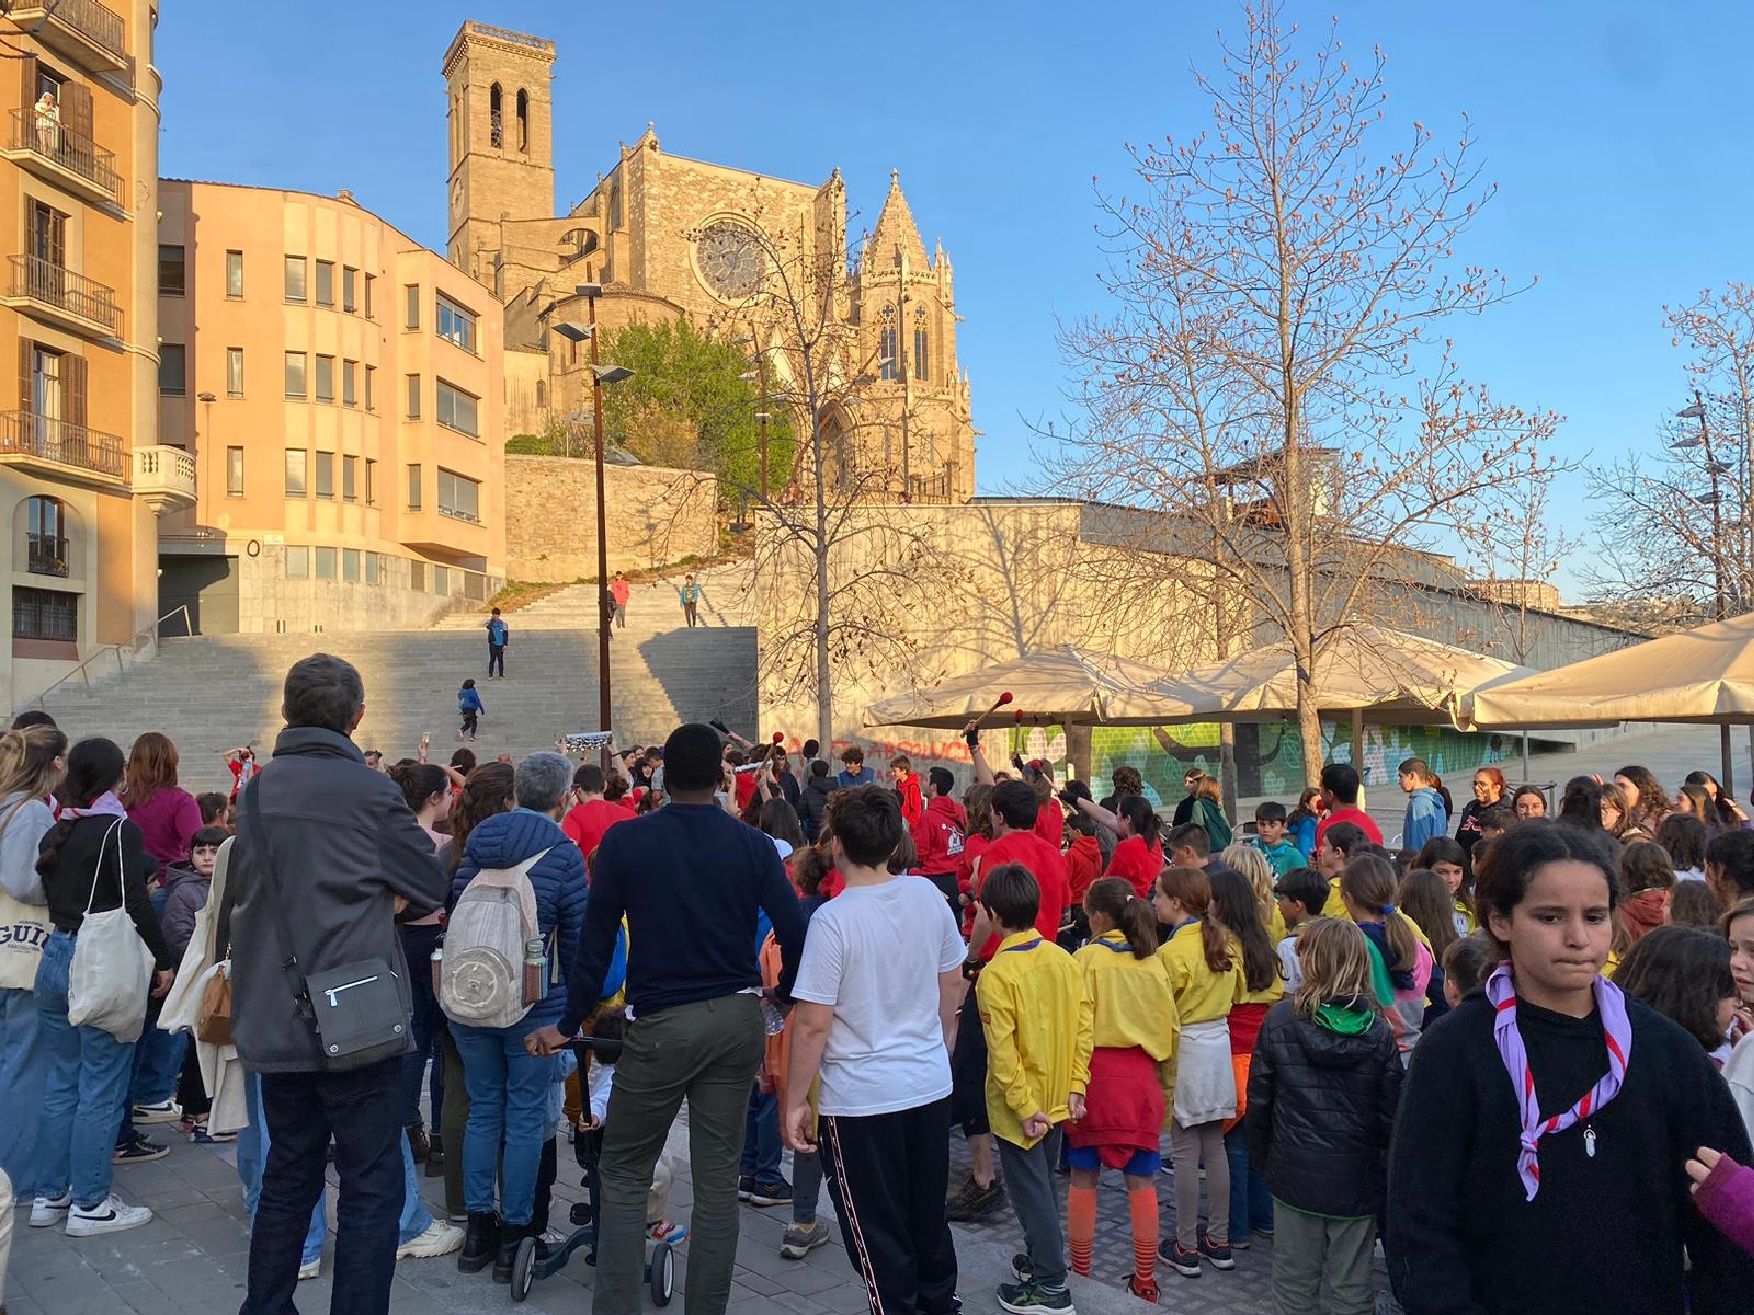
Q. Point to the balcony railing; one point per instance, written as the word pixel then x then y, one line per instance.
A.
pixel 24 433
pixel 52 140
pixel 458 514
pixel 47 554
pixel 164 477
pixel 91 22
pixel 72 294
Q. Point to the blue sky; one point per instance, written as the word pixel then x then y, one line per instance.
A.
pixel 1617 133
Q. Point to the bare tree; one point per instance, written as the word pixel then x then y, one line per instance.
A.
pixel 1274 369
pixel 1515 549
pixel 1675 524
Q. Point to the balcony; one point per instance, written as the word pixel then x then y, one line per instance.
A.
pixel 91 34
pixel 62 448
pixel 70 300
pixel 67 159
pixel 164 478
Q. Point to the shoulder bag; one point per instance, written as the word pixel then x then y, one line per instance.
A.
pixel 111 972
pixel 355 1010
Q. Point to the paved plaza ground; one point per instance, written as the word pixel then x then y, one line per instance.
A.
pixel 193 1257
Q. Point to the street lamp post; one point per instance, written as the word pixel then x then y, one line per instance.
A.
pixel 1713 470
pixel 601 375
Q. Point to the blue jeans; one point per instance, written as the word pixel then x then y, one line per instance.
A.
pixel 1251 1203
pixel 158 1055
pixel 252 1147
pixel 427 1022
pixel 23 1067
pixel 508 1103
pixel 761 1138
pixel 85 1085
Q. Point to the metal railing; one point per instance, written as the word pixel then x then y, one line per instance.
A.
pixel 930 489
pixel 99 24
pixel 74 151
pixel 458 514
pixel 135 643
pixel 46 554
pixel 56 286
pixel 60 440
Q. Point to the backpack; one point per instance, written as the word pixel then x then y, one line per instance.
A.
pixel 482 980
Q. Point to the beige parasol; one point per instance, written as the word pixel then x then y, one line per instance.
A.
pixel 1060 686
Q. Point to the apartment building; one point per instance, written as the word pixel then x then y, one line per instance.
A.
pixel 81 473
pixel 338 389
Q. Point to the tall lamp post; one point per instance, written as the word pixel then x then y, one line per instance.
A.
pixel 1714 470
pixel 601 375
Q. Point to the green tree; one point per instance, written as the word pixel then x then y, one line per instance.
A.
pixel 689 405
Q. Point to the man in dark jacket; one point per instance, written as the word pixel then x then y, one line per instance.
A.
pixel 346 854
pixel 813 801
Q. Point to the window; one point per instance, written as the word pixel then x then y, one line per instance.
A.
pixel 456 324
pixel 541 393
pixel 171 365
pixel 326 563
pixel 523 120
pixel 45 614
pixel 417 577
pixel 349 373
pixel 495 125
pixel 921 366
pixel 887 342
pixel 371 482
pixel 350 564
pixel 48 245
pixel 325 475
pixel 298 563
pixel 170 270
pixel 414 488
pixel 46 536
pixel 411 317
pixel 325 378
pixel 459 496
pixel 371 568
pixel 234 472
pixel 349 284
pixel 234 371
pixel 295 374
pixel 414 397
pixel 295 278
pixel 325 283
pixel 349 479
pixel 296 462
pixel 441 581
pixel 234 275
pixel 457 409
pixel 371 378
pixel 370 286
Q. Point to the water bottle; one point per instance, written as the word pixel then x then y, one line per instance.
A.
pixel 534 963
pixel 773 1019
pixel 438 966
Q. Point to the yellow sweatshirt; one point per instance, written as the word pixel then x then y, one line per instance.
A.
pixel 1130 1002
pixel 1038 1036
pixel 1201 995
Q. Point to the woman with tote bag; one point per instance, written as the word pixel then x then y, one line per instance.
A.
pixel 31 765
pixel 93 863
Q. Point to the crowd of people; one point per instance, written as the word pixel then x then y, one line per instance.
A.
pixel 1505 1053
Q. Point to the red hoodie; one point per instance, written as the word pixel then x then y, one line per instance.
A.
pixel 938 836
pixel 912 808
pixel 1083 863
pixel 1050 822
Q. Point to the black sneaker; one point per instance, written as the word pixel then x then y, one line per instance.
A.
pixel 745 1187
pixel 139 1151
pixel 1033 1299
pixel 778 1192
pixel 1216 1252
pixel 979 1204
pixel 1179 1258
pixel 1021 1268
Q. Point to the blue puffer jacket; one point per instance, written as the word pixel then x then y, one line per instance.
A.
pixel 506 840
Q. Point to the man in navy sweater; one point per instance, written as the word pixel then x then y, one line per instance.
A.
pixel 692 882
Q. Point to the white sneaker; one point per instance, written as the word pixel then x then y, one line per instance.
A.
pixel 439 1239
pixel 165 1111
pixel 312 1270
pixel 107 1216
pixel 45 1213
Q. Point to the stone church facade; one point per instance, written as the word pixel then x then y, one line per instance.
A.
pixel 662 235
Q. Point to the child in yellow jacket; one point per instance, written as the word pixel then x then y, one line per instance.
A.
pixel 1133 1031
pixel 1038 1065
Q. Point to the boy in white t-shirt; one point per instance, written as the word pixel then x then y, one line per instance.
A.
pixel 1302 894
pixel 878 990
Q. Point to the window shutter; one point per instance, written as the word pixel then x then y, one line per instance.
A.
pixel 73 389
pixel 27 87
pixel 76 109
pixel 25 390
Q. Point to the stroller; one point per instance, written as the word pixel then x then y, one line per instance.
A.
pixel 588 1149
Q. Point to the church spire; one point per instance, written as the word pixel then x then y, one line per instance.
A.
pixel 896 233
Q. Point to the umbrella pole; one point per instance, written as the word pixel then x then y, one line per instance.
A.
pixel 1525 757
pixel 1358 742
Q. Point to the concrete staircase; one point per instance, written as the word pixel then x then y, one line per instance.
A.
pixel 211 693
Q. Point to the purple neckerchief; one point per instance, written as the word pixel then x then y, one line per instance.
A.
pixel 1611 1000
pixel 106 804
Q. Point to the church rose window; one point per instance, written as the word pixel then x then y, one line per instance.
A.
pixel 730 259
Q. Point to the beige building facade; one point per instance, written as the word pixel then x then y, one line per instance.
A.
pixel 80 469
pixel 656 516
pixel 338 389
pixel 664 236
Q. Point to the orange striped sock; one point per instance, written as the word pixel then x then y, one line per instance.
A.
pixel 1080 1227
pixel 1142 1207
